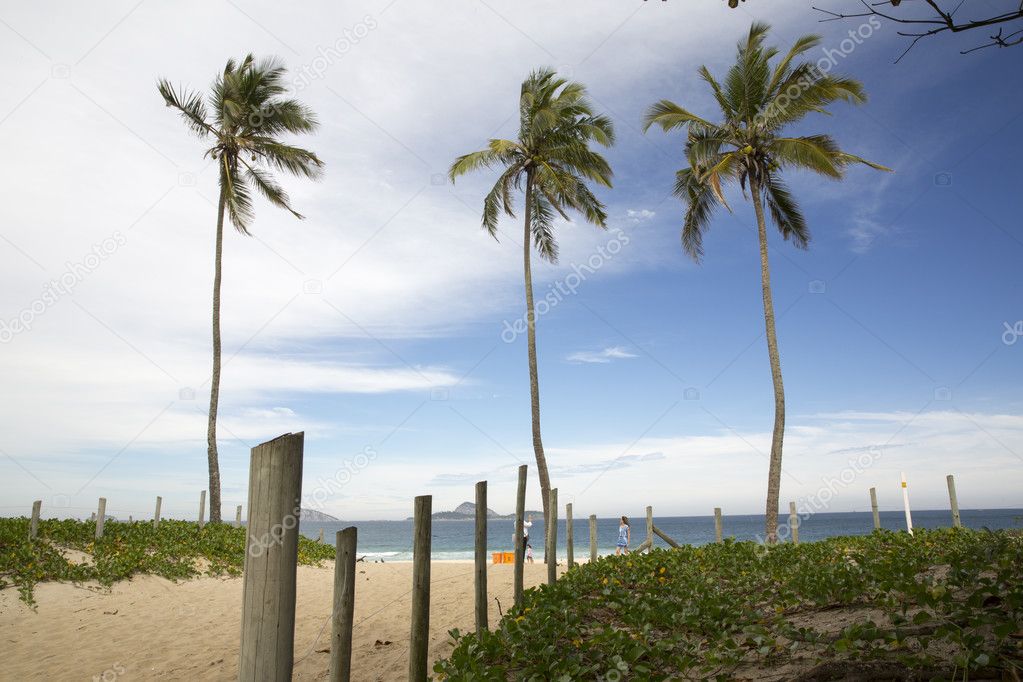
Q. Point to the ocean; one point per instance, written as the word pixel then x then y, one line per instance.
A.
pixel 392 540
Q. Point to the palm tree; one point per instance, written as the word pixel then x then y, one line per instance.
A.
pixel 550 162
pixel 249 114
pixel 756 103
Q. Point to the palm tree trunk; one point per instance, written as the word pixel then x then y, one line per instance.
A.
pixel 774 472
pixel 534 380
pixel 211 429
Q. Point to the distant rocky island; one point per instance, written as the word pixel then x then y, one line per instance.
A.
pixel 317 516
pixel 467 510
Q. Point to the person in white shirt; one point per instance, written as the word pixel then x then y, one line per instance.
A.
pixel 526 525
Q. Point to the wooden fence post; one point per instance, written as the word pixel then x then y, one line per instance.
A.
pixel 520 510
pixel 956 521
pixel 793 523
pixel 320 539
pixel 101 514
pixel 873 508
pixel 271 559
pixel 481 557
pixel 717 524
pixel 570 554
pixel 202 509
pixel 650 527
pixel 238 517
pixel 33 528
pixel 664 536
pixel 593 537
pixel 418 665
pixel 344 605
pixel 552 538
pixel 905 503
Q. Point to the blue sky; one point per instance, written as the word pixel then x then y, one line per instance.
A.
pixel 376 324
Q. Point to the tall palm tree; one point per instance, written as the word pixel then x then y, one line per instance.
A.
pixel 757 102
pixel 550 162
pixel 244 116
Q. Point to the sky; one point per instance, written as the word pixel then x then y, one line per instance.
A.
pixel 384 324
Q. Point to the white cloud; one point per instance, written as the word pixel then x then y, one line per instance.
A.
pixel 601 356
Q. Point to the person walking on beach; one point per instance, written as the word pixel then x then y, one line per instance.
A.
pixel 529 552
pixel 624 535
pixel 526 525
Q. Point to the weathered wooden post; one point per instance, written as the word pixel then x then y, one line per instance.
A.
pixel 342 618
pixel 570 554
pixel 552 538
pixel 717 524
pixel 793 523
pixel 101 514
pixel 202 509
pixel 418 665
pixel 271 559
pixel 520 511
pixel 905 503
pixel 93 517
pixel 33 528
pixel 320 539
pixel 481 557
pixel 129 518
pixel 956 521
pixel 156 513
pixel 650 527
pixel 238 516
pixel 593 537
pixel 873 508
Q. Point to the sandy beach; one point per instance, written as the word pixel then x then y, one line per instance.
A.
pixel 152 628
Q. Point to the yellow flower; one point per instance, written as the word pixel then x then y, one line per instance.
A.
pixel 604 581
pixel 520 619
pixel 662 569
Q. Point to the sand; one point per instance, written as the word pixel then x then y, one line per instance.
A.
pixel 152 628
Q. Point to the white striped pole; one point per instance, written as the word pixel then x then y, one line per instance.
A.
pixel 905 502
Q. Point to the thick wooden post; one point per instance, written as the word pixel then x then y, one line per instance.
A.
pixel 552 538
pixel 520 510
pixel 481 556
pixel 954 501
pixel 418 664
pixel 202 509
pixel 717 524
pixel 342 618
pixel 156 514
pixel 570 554
pixel 873 508
pixel 33 527
pixel 320 539
pixel 238 517
pixel 101 515
pixel 271 559
pixel 793 523
pixel 593 537
pixel 650 526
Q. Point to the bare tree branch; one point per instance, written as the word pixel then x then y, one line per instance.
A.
pixel 939 20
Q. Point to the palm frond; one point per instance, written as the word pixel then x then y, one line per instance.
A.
pixel 669 116
pixel 785 213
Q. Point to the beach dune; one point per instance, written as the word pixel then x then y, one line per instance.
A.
pixel 152 628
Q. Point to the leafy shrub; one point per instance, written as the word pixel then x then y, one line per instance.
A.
pixel 175 550
pixel 940 601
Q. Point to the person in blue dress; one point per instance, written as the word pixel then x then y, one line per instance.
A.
pixel 624 535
